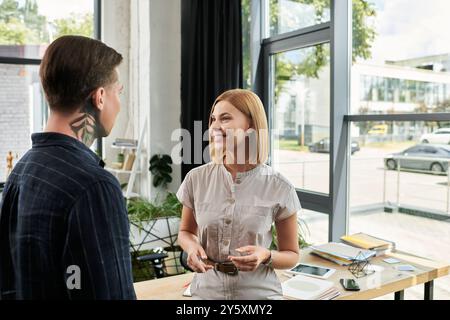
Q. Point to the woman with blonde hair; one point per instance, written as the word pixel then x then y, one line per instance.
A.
pixel 230 204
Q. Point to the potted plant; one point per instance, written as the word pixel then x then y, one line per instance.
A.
pixel 155 224
pixel 161 219
pixel 160 167
pixel 302 243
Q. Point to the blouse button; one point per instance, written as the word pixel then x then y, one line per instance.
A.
pixel 226 242
pixel 232 200
pixel 227 221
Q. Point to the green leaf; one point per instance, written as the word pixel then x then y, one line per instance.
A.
pixel 164 176
pixel 157 181
pixel 165 169
pixel 154 170
pixel 166 158
pixel 154 160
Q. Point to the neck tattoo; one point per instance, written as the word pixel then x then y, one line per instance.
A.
pixel 87 126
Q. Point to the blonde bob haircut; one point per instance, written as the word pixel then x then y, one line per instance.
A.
pixel 250 105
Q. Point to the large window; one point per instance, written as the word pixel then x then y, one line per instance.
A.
pixel 292 15
pixel 289 66
pixel 26 29
pixel 301 116
pixel 399 185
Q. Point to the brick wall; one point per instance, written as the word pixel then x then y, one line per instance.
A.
pixel 15 129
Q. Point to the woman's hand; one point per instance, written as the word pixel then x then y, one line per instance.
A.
pixel 194 260
pixel 255 256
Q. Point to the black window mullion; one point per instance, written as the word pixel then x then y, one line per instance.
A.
pixel 21 61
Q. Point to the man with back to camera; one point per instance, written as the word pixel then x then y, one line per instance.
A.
pixel 64 231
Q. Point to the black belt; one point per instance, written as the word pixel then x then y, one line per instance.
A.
pixel 225 267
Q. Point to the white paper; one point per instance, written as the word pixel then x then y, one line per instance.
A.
pixel 306 288
pixel 187 292
pixel 405 267
pixel 391 260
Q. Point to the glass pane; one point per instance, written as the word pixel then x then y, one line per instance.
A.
pixel 401 58
pixel 301 116
pixel 27 27
pixel 423 153
pixel 408 204
pixel 22 110
pixel 246 39
pixel 313 227
pixel 291 15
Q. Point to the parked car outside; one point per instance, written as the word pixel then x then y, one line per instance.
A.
pixel 432 158
pixel 323 146
pixel 440 136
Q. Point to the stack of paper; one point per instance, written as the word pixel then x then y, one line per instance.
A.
pixel 341 253
pixel 307 288
pixel 368 242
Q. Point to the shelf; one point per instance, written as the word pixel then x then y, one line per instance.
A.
pixel 123 147
pixel 121 171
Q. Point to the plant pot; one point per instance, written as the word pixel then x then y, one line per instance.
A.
pixel 155 233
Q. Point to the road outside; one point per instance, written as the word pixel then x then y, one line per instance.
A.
pixel 369 181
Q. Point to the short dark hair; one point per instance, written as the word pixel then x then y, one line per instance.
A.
pixel 74 66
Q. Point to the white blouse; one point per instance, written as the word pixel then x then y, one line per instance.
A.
pixel 230 215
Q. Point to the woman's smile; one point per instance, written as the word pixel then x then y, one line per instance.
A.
pixel 218 136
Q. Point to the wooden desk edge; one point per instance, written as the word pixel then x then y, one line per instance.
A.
pixel 171 288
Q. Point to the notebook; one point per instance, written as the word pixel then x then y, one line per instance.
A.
pixel 343 251
pixel 339 261
pixel 368 242
pixel 307 288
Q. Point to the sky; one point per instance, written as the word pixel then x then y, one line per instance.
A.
pixel 411 28
pixel 405 29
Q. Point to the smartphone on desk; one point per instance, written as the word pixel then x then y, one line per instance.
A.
pixel 350 284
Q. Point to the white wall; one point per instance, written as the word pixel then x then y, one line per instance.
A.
pixel 165 77
pixel 116 34
pixel 148 34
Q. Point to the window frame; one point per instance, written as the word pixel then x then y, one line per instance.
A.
pixel 338 33
pixel 303 38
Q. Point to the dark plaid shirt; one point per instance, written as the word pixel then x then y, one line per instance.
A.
pixel 61 213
